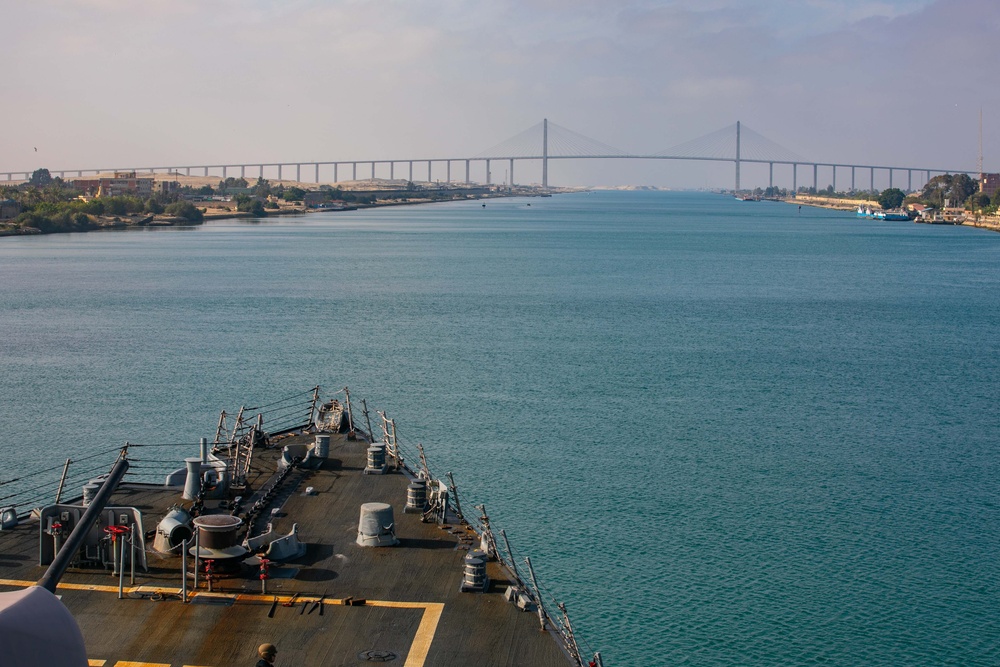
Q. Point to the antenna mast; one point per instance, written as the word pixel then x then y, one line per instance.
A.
pixel 980 145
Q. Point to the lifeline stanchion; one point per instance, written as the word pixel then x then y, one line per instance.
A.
pixel 208 572
pixel 131 541
pixel 116 533
pixel 121 569
pixel 197 556
pixel 184 574
pixel 263 575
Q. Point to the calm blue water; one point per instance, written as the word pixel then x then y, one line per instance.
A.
pixel 727 433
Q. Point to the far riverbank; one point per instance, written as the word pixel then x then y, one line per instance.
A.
pixel 223 210
pixel 955 217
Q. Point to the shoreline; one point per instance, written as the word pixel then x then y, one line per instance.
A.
pixel 213 213
pixel 988 223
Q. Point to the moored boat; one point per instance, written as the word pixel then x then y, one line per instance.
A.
pixel 869 213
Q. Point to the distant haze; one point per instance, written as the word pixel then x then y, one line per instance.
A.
pixel 106 83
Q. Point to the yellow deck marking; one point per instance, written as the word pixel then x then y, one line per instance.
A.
pixel 415 657
pixel 421 645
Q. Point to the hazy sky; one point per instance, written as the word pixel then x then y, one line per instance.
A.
pixel 95 83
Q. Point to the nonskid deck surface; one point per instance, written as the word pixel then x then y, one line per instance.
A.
pixel 413 613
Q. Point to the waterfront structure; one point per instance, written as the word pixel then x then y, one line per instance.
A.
pixel 9 209
pixel 989 184
pixel 546 141
pixel 123 183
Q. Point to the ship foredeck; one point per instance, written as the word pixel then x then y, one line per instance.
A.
pixel 407 608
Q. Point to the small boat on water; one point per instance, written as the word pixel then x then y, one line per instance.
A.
pixel 868 213
pixel 747 198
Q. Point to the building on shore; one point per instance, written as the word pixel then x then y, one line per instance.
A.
pixel 989 184
pixel 123 183
pixel 9 209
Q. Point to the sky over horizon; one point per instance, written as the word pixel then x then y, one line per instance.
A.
pixel 103 83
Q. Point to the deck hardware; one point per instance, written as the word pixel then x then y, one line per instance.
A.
pixel 377 656
pixel 184 573
pixel 263 575
pixel 538 596
pixel 62 481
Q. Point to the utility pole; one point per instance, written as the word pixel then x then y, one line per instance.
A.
pixel 980 146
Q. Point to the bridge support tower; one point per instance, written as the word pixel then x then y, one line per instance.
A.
pixel 737 156
pixel 545 155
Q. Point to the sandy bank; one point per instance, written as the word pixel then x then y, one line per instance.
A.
pixel 835 203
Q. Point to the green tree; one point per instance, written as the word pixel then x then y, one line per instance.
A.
pixel 293 194
pixel 891 198
pixel 40 178
pixel 153 206
pixel 185 210
pixel 231 182
pixel 251 205
pixel 981 200
pixel 962 187
pixel 262 187
pixel 936 190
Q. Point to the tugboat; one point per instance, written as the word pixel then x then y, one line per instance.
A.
pixel 321 541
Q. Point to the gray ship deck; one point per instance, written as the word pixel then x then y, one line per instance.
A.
pixel 413 605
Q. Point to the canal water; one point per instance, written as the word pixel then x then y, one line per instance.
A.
pixel 727 433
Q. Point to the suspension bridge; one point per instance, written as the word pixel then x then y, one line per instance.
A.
pixel 543 143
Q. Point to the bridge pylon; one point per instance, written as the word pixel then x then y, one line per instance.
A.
pixel 545 152
pixel 737 156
